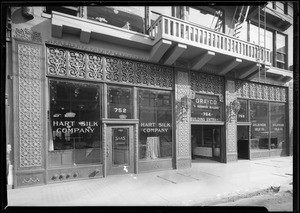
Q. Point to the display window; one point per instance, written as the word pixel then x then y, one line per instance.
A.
pixel 119 102
pixel 259 117
pixel 74 123
pixel 155 114
pixel 277 114
pixel 242 115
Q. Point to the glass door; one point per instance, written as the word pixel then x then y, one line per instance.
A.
pixel 243 142
pixel 120 150
pixel 216 135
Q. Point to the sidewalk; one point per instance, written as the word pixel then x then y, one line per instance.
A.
pixel 205 182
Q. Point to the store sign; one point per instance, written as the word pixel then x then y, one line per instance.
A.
pixel 277 127
pixel 206 108
pixel 120 137
pixel 74 127
pixel 155 127
pixel 260 127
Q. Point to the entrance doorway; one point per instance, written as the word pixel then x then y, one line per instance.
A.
pixel 120 154
pixel 243 142
pixel 206 142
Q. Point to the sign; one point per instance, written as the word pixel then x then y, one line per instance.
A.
pixel 120 137
pixel 206 108
pixel 259 127
pixel 73 127
pixel 155 127
pixel 277 127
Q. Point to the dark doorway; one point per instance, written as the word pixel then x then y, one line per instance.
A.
pixel 243 142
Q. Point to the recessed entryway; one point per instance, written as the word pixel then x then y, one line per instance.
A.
pixel 243 142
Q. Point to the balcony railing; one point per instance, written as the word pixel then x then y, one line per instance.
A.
pixel 188 33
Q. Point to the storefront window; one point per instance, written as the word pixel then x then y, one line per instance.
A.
pixel 206 108
pixel 74 123
pixel 119 102
pixel 242 115
pixel 130 18
pixel 260 125
pixel 155 114
pixel 277 113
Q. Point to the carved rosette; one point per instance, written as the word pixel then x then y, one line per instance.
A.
pixel 277 94
pixel 29 104
pixel 76 64
pixel 283 94
pixel 142 76
pixel 57 61
pixel 112 71
pixel 127 71
pixel 94 67
pixel 265 92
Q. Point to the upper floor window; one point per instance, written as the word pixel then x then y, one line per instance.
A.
pixel 207 17
pixel 74 11
pixel 130 18
pixel 275 42
pixel 281 51
pixel 281 6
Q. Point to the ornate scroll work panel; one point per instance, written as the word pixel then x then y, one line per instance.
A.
pixel 76 64
pixel 182 114
pixel 90 66
pixel 260 91
pixel 29 106
pixel 94 67
pixel 112 69
pixel 28 35
pixel 205 83
pixel 57 61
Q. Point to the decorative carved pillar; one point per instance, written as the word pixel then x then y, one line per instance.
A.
pixel 29 109
pixel 182 119
pixel 231 121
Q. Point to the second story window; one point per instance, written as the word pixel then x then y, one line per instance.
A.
pixel 281 51
pixel 207 16
pixel 275 42
pixel 74 11
pixel 129 18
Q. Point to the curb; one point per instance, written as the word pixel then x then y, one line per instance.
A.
pixel 239 196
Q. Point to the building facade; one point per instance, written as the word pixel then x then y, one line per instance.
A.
pixel 93 91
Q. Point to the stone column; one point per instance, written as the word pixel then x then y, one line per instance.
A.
pixel 29 108
pixel 182 119
pixel 231 122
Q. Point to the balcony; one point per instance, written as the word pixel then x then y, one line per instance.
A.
pixel 221 51
pixel 170 39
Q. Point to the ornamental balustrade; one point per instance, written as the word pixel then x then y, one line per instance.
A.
pixel 189 33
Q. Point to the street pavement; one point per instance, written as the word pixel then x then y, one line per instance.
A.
pixel 204 183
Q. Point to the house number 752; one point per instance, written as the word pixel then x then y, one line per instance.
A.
pixel 120 110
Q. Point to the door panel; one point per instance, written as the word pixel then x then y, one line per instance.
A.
pixel 120 150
